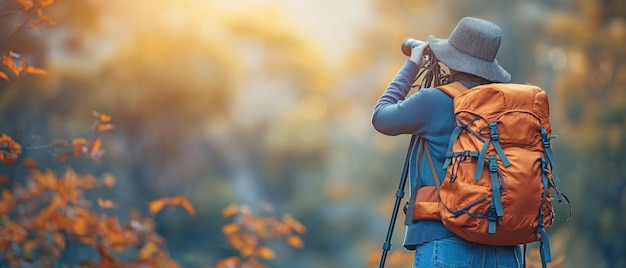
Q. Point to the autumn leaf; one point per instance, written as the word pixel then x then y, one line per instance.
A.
pixel 157 205
pixel 4 76
pixel 148 250
pixel 63 156
pixel 43 18
pixel 295 241
pixel 121 239
pixel 26 4
pixel 180 200
pixel 30 163
pixel 105 127
pixel 7 60
pixel 45 3
pixel 7 203
pixel 230 210
pixel 34 25
pixel 48 215
pixel 35 70
pixel 246 251
pixel 294 224
pixel 101 117
pixel 265 253
pixel 23 67
pixel 236 241
pixel 4 179
pixel 47 180
pixel 80 146
pixel 58 240
pixel 30 246
pixel 103 121
pixel 108 180
pixel 10 64
pixel 230 262
pixel 9 150
pixel 230 228
pixel 79 226
pixel 105 203
pixel 94 151
pixel 106 259
pixel 13 232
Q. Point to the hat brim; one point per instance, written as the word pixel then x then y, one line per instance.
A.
pixel 462 62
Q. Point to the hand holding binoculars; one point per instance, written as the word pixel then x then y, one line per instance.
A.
pixel 408 44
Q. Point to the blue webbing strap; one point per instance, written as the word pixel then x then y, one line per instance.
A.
pixel 495 140
pixel 470 130
pixel 496 202
pixel 459 157
pixel 458 212
pixel 480 163
pixel 544 244
pixel 546 145
pixel 555 177
pixel 453 137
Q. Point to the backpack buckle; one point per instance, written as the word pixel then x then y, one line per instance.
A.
pixel 544 138
pixel 493 165
pixel 494 131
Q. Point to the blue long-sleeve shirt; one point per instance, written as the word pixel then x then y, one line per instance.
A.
pixel 427 113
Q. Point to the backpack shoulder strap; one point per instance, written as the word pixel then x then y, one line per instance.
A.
pixel 453 89
pixel 414 170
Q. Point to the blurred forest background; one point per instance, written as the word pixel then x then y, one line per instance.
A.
pixel 268 104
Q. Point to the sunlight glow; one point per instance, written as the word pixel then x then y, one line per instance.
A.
pixel 313 107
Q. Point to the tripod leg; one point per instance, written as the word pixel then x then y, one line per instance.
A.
pixel 396 207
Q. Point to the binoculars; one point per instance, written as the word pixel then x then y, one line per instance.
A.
pixel 408 44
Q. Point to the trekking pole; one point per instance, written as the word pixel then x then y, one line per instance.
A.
pixel 396 207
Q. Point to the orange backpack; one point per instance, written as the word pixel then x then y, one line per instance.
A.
pixel 499 166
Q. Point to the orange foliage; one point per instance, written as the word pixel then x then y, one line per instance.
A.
pixel 248 232
pixel 9 150
pixel 9 63
pixel 29 20
pixel 7 203
pixel 180 200
pixel 105 203
pixel 4 76
pixel 103 122
pixel 68 217
pixel 54 212
pixel 17 71
pixel 83 147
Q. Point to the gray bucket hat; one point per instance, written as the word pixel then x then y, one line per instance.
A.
pixel 472 48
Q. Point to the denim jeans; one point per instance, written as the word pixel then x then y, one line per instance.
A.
pixel 456 252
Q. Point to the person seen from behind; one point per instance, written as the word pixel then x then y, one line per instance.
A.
pixel 470 55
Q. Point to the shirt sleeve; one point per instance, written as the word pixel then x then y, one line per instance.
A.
pixel 394 114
